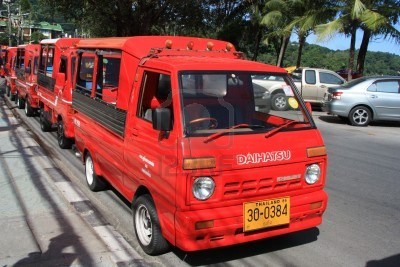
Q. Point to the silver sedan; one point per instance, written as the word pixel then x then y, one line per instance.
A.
pixel 365 99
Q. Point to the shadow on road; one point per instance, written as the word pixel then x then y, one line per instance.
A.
pixel 387 262
pixel 243 251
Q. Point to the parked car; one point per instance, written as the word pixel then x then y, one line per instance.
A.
pixel 311 82
pixel 365 99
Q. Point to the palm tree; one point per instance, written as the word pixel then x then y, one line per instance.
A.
pixel 278 14
pixel 309 14
pixel 381 16
pixel 354 15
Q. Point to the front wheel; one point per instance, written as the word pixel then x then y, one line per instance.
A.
pixel 63 141
pixel 8 91
pixel 360 116
pixel 147 226
pixel 94 182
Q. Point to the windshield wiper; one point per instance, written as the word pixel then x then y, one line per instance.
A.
pixel 277 129
pixel 225 131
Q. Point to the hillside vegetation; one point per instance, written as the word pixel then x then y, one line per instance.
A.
pixel 377 63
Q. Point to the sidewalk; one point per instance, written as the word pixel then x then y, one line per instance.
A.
pixel 39 225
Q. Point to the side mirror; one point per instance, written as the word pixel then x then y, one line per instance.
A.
pixel 161 118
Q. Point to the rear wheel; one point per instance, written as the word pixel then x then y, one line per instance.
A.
pixel 94 182
pixel 360 116
pixel 63 141
pixel 45 125
pixel 8 91
pixel 147 226
pixel 12 96
pixel 279 102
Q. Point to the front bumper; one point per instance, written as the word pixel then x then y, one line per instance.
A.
pixel 228 224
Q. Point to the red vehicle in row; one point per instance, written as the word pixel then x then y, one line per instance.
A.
pixel 26 66
pixel 9 72
pixel 55 82
pixel 177 126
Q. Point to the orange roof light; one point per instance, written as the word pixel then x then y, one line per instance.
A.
pixel 210 46
pixel 229 47
pixel 168 44
pixel 190 45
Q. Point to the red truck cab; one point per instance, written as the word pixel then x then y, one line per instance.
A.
pixel 56 69
pixel 178 127
pixel 9 72
pixel 26 66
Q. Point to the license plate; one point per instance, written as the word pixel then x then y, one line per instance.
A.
pixel 266 213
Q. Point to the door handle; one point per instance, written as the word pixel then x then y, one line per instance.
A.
pixel 374 96
pixel 135 132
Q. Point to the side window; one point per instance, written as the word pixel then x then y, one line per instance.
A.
pixel 155 93
pixel 387 86
pixel 35 65
pixel 49 61
pixel 85 75
pixel 329 78
pixel 28 66
pixel 43 58
pixel 63 66
pixel 310 77
pixel 108 77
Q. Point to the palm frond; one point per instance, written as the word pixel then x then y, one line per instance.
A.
pixel 373 20
pixel 358 9
pixel 328 30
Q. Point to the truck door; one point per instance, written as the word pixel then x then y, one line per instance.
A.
pixel 150 155
pixel 385 97
pixel 309 86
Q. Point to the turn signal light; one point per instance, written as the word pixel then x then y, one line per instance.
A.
pixel 204 225
pixel 316 205
pixel 316 151
pixel 198 163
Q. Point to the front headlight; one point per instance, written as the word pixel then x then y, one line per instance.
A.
pixel 203 188
pixel 313 173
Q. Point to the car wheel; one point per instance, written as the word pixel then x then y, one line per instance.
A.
pixel 8 91
pixel 279 102
pixel 63 141
pixel 45 125
pixel 28 109
pixel 360 116
pixel 20 102
pixel 147 226
pixel 12 96
pixel 94 182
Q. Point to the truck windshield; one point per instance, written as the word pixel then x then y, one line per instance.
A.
pixel 221 103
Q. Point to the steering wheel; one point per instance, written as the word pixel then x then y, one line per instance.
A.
pixel 213 122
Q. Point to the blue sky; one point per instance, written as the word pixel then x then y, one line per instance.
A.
pixel 340 42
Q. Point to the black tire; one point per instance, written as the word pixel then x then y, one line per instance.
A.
pixel 12 97
pixel 147 226
pixel 20 102
pixel 8 91
pixel 45 125
pixel 63 141
pixel 94 182
pixel 29 111
pixel 360 116
pixel 279 102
